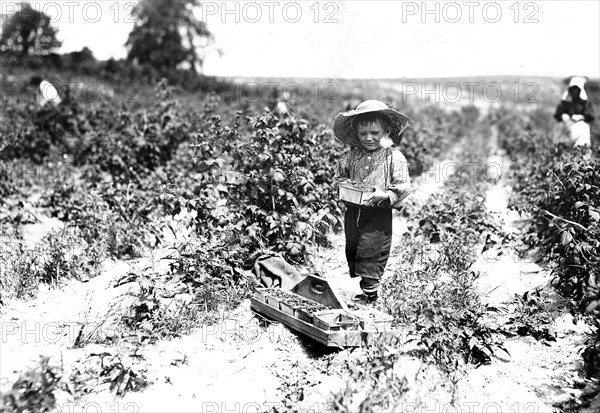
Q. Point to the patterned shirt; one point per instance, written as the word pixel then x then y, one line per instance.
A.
pixel 385 168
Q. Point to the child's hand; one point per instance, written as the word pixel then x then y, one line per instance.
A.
pixel 375 197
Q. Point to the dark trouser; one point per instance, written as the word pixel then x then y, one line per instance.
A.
pixel 368 244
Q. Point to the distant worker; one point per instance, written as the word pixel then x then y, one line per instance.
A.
pixel 576 112
pixel 282 107
pixel 284 103
pixel 47 92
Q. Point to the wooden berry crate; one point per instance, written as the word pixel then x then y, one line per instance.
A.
pixel 317 289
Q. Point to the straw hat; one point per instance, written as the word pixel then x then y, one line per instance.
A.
pixel 344 131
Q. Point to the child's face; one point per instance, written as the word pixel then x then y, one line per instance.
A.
pixel 369 135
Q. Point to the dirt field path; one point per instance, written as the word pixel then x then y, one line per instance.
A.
pixel 538 374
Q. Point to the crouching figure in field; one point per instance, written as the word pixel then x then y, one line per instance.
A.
pixel 575 112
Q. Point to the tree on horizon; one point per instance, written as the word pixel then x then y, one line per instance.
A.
pixel 167 34
pixel 27 33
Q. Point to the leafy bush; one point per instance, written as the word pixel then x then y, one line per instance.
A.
pixel 120 371
pixel 58 257
pixel 562 194
pixel 373 381
pixel 433 134
pixel 17 271
pixel 34 390
pixel 205 279
pixel 434 291
pixel 281 197
pixel 533 315
pixel 117 218
pixel 448 215
pixel 129 145
pixel 288 185
pixel 7 184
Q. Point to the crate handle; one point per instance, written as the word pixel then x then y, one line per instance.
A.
pixel 317 288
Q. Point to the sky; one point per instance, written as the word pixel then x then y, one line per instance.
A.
pixel 364 39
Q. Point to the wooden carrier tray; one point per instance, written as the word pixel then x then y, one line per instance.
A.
pixel 318 289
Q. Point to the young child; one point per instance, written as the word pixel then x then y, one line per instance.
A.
pixel 371 130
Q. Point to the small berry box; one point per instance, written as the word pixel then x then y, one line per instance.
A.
pixel 371 319
pixel 353 194
pixel 335 320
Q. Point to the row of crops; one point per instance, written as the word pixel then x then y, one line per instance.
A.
pixel 558 188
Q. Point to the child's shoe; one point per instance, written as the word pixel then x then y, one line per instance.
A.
pixel 365 299
pixel 372 299
pixel 360 299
